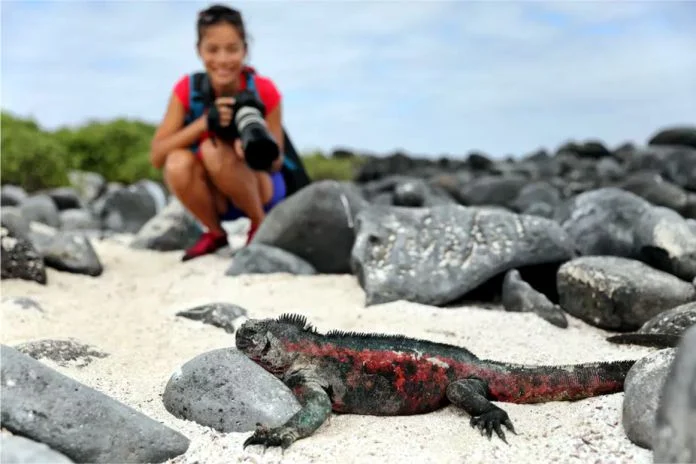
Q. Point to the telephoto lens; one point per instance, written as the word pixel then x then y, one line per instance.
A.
pixel 260 149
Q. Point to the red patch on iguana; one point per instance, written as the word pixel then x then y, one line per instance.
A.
pixel 421 380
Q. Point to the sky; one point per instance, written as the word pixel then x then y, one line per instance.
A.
pixel 428 78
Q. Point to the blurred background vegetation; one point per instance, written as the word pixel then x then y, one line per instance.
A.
pixel 35 158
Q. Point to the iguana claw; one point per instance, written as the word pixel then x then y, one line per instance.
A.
pixel 276 436
pixel 492 420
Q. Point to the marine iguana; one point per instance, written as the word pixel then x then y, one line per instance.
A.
pixel 378 374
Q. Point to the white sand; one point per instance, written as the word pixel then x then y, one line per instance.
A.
pixel 129 312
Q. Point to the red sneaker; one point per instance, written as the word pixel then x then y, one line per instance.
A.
pixel 209 242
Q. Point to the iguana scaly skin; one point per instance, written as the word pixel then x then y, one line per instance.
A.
pixel 375 374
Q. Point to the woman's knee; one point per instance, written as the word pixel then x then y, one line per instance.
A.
pixel 180 168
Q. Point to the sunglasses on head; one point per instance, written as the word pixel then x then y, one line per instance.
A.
pixel 209 17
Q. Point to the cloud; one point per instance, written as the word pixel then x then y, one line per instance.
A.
pixel 428 77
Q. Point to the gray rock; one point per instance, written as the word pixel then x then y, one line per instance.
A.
pixel 415 193
pixel 76 420
pixel 410 193
pixel 602 221
pixel 519 296
pixel 541 192
pixel 674 321
pixel 173 228
pixel 89 185
pixel 540 209
pixel 642 389
pixel 265 259
pixel 666 242
pixel 12 219
pixel 12 195
pixel 675 163
pixel 63 352
pixel 388 184
pixel 127 209
pixel 78 219
pixel 655 189
pixel 15 449
pixel 65 198
pixel 663 330
pixel 41 208
pixel 437 255
pixel 617 293
pixel 69 251
pixel 680 167
pixel 220 315
pixel 225 390
pixel 675 422
pixel 609 169
pixel 492 190
pixel 317 224
pixel 23 302
pixel 677 135
pixel 20 260
pixel 689 211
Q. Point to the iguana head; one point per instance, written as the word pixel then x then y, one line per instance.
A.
pixel 266 341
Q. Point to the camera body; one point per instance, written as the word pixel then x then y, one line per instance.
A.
pixel 249 125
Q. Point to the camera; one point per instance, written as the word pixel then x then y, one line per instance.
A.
pixel 249 125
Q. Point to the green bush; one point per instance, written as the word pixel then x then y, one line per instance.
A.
pixel 31 158
pixel 321 167
pixel 118 150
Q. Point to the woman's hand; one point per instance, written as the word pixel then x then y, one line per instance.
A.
pixel 224 107
pixel 238 149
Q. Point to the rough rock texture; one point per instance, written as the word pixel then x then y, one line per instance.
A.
pixel 225 390
pixel 663 330
pixel 317 224
pixel 642 389
pixel 602 221
pixel 617 293
pixel 257 258
pixel 62 352
pixel 666 241
pixel 19 258
pixel 220 314
pixel 675 423
pixel 82 423
pixel 66 251
pixel 436 255
pixel 518 295
pixel 173 228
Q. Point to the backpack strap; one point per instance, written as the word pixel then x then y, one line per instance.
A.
pixel 199 92
pixel 251 82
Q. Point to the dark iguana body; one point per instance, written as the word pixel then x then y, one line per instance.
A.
pixel 375 374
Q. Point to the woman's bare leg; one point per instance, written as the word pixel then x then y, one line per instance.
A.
pixel 187 179
pixel 249 190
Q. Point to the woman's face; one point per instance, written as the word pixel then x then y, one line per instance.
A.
pixel 222 51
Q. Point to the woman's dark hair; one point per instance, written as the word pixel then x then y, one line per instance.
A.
pixel 217 14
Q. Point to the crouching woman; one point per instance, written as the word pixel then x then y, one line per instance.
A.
pixel 212 180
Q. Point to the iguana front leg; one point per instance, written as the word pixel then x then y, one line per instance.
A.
pixel 472 395
pixel 316 407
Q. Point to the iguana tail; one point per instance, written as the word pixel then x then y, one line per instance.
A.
pixel 515 383
pixel 648 339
